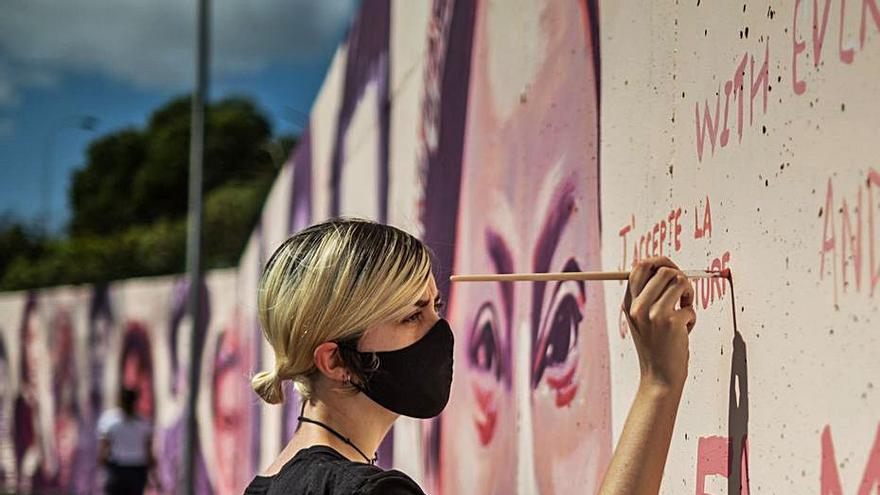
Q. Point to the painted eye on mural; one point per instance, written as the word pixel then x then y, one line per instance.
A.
pixel 556 356
pixel 485 356
pixel 484 351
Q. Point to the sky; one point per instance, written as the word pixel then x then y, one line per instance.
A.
pixel 115 61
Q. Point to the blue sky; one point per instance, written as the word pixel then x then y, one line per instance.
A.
pixel 117 60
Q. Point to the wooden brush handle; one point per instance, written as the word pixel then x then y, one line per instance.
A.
pixel 535 277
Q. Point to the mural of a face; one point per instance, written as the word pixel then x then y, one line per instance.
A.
pixel 64 387
pixel 136 367
pixel 30 454
pixel 359 179
pixel 99 335
pixel 29 353
pixel 479 445
pixel 97 347
pixel 529 203
pixel 231 413
pixel 179 339
pixel 300 217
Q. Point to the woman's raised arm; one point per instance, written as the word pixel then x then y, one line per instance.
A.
pixel 659 307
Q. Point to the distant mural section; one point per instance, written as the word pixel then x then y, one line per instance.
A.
pixel 67 352
pixel 536 135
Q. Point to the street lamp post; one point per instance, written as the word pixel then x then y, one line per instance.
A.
pixel 194 234
pixel 82 122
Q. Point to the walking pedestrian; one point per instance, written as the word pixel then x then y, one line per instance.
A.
pixel 125 447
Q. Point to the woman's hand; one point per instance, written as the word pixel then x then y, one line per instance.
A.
pixel 659 307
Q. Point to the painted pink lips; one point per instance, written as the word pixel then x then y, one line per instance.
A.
pixel 487 417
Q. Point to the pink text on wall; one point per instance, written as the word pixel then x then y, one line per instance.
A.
pixel 847 230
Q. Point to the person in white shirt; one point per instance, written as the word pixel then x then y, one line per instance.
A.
pixel 125 447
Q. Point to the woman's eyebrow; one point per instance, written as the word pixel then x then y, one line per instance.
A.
pixel 424 302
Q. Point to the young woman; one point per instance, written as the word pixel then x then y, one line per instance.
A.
pixel 126 448
pixel 351 310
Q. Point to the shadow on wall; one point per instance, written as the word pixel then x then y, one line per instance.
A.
pixel 738 419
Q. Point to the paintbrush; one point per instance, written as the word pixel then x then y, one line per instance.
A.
pixel 535 277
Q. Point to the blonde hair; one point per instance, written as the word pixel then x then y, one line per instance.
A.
pixel 330 282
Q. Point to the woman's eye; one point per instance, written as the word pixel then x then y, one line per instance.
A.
pixel 417 316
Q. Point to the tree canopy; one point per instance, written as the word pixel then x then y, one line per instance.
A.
pixel 136 177
pixel 129 200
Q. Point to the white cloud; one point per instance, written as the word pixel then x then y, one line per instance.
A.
pixel 150 43
pixel 15 76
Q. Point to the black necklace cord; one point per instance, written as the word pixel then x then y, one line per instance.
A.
pixel 303 419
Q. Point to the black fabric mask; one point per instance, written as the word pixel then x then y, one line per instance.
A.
pixel 413 381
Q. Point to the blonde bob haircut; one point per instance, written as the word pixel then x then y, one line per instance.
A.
pixel 329 283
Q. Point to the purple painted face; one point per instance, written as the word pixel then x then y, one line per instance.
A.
pixel 64 383
pixel 534 365
pixel 31 353
pixel 100 330
pixel 136 366
pixel 230 405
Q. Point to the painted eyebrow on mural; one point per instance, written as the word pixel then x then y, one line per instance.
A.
pixel 554 224
pixel 561 210
pixel 502 260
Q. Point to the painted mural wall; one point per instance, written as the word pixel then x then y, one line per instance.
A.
pixel 526 135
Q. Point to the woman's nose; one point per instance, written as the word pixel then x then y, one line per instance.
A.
pixel 433 317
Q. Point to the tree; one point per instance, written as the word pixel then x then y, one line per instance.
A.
pixel 136 177
pixel 101 192
pixel 130 200
pixel 17 240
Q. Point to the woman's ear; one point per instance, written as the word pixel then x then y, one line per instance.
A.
pixel 328 362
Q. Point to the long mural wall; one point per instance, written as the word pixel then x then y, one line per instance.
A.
pixel 525 135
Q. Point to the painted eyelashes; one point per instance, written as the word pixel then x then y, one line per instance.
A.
pixel 555 357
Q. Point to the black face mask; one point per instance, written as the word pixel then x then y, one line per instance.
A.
pixel 413 381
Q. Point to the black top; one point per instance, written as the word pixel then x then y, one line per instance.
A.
pixel 320 470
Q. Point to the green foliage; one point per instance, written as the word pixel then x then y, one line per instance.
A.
pixel 100 193
pixel 138 251
pixel 229 216
pixel 130 200
pixel 137 177
pixel 17 240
